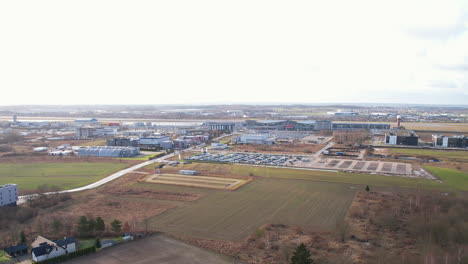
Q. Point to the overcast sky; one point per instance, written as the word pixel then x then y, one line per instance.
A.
pixel 198 51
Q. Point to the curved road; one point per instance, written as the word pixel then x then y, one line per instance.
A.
pixel 22 199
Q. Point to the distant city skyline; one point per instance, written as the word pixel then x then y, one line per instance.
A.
pixel 217 52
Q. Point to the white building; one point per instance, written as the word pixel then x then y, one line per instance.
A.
pixel 90 132
pixel 153 140
pixel 8 194
pixel 219 146
pixel 261 139
pixel 43 248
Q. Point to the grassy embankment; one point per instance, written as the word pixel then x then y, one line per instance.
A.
pixel 444 155
pixel 63 175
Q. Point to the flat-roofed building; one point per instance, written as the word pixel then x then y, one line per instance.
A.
pixel 401 138
pixel 221 126
pixel 358 126
pixel 8 194
pixel 459 141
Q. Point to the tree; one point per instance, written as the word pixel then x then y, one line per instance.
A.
pixel 97 244
pixel 126 228
pixel 367 188
pixel 301 255
pixel 56 226
pixel 22 237
pixel 83 226
pixel 91 225
pixel 100 226
pixel 116 226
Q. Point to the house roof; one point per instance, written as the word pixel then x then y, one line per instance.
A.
pixel 42 249
pixel 40 240
pixel 13 249
pixel 65 241
pixel 42 246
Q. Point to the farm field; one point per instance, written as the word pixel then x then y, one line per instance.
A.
pixel 455 156
pixel 155 249
pixel 235 215
pixel 63 175
pixel 196 181
pixel 244 171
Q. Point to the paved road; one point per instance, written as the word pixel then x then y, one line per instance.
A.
pixel 101 182
pixel 155 249
pixel 329 145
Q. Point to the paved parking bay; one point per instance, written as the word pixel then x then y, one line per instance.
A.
pixel 310 161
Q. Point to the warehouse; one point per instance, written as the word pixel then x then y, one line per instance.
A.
pixel 91 132
pixel 310 125
pixel 8 194
pixel 357 126
pixel 458 141
pixel 123 142
pixel 152 143
pixel 221 126
pixel 258 139
pixel 86 122
pixel 108 151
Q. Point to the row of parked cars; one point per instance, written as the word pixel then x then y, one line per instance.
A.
pixel 251 158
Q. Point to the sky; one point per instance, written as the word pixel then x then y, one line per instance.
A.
pixel 243 51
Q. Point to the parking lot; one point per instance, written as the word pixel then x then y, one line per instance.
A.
pixel 306 161
pixel 252 158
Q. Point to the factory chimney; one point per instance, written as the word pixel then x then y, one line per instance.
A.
pixel 398 118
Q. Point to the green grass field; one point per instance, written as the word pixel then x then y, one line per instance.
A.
pixel 237 214
pixel 314 175
pixel 445 155
pixel 63 175
pixel 3 257
pixel 455 178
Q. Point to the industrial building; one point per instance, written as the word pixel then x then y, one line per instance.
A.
pixel 306 125
pixel 401 138
pixel 259 139
pixel 310 125
pixel 108 151
pixel 8 194
pixel 359 126
pixel 221 126
pixel 152 142
pixel 92 132
pixel 459 141
pixel 123 142
pixel 86 122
